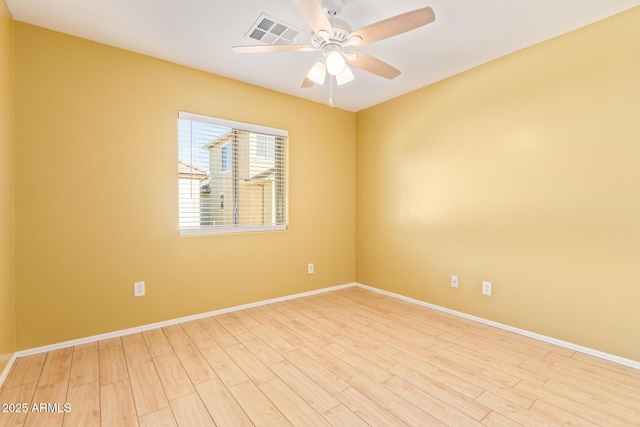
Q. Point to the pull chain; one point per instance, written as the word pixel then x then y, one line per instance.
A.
pixel 331 91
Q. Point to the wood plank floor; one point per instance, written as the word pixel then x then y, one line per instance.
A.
pixel 345 358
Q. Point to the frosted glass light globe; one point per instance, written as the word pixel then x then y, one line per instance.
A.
pixel 335 63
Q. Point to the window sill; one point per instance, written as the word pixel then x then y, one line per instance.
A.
pixel 230 230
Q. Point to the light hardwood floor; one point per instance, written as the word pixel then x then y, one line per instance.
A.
pixel 345 358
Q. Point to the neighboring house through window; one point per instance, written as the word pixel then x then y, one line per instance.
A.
pixel 265 147
pixel 190 179
pixel 226 157
pixel 240 174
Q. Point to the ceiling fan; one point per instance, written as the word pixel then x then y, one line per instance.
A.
pixel 335 39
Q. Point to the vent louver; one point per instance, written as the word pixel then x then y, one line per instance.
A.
pixel 272 31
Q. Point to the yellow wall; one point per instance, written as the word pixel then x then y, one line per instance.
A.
pixel 97 188
pixel 7 195
pixel 523 172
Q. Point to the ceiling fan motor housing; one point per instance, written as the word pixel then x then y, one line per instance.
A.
pixel 340 29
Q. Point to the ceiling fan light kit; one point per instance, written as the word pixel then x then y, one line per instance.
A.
pixel 334 38
pixel 345 76
pixel 335 63
pixel 317 73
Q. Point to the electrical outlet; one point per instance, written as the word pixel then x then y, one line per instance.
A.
pixel 486 288
pixel 138 289
pixel 310 268
pixel 454 281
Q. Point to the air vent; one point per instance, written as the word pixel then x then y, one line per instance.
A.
pixel 272 31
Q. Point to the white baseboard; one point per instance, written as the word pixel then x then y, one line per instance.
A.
pixel 544 338
pixel 5 372
pixel 575 347
pixel 143 328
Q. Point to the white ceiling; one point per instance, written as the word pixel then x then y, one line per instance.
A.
pixel 200 33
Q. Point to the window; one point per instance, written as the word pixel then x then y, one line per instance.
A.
pixel 231 176
pixel 265 147
pixel 226 157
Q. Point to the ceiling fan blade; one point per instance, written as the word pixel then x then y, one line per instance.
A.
pixel 314 15
pixel 373 65
pixel 271 48
pixel 393 26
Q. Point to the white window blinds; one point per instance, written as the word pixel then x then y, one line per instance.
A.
pixel 231 176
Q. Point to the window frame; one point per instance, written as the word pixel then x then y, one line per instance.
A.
pixel 251 128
